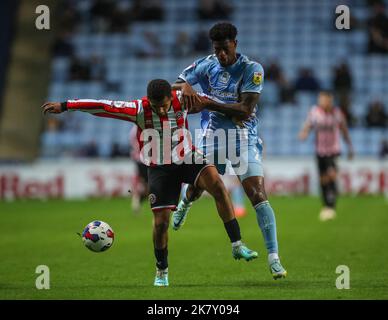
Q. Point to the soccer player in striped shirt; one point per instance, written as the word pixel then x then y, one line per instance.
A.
pixel 328 123
pixel 171 159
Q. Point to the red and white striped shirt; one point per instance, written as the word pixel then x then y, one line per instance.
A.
pixel 162 139
pixel 327 130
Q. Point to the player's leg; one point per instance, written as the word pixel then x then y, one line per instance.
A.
pixel 254 189
pixel 164 188
pixel 327 178
pixel 160 240
pixel 209 180
pixel 251 175
pixel 189 194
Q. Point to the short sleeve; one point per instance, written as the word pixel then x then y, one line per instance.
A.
pixel 310 120
pixel 253 78
pixel 194 72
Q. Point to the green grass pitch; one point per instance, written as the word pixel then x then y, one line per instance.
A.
pixel 201 266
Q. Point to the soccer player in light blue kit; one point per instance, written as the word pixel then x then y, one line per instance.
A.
pixel 236 81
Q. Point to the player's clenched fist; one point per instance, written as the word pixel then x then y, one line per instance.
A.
pixel 52 107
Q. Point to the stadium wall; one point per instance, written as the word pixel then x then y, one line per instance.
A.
pixel 86 179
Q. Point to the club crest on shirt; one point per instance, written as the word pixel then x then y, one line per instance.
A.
pixel 257 78
pixel 224 77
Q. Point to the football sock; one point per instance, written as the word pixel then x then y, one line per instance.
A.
pixel 333 193
pixel 184 194
pixel 329 194
pixel 161 258
pixel 324 193
pixel 233 230
pixel 267 223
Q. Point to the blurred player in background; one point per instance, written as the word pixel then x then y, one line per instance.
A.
pixel 163 112
pixel 139 189
pixel 237 82
pixel 328 122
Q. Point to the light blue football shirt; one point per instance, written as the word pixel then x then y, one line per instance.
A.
pixel 226 84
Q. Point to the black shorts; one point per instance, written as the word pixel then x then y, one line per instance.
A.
pixel 326 162
pixel 142 171
pixel 165 183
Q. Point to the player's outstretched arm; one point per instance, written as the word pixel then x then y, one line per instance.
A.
pixel 122 110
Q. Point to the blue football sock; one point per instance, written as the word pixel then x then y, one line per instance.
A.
pixel 267 223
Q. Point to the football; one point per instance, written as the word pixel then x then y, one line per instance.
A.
pixel 98 236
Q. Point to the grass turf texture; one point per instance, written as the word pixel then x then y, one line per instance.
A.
pixel 200 262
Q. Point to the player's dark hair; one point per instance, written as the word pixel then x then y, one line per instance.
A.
pixel 223 31
pixel 158 89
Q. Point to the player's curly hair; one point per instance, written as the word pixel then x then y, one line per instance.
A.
pixel 158 89
pixel 223 31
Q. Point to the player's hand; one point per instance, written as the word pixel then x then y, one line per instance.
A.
pixel 239 121
pixel 52 107
pixel 190 96
pixel 303 135
pixel 199 106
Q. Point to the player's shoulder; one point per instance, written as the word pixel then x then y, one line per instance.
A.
pixel 207 60
pixel 315 109
pixel 251 63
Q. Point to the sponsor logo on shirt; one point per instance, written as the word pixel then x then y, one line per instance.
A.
pixel 257 78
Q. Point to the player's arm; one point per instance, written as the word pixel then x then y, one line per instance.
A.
pixel 345 133
pixel 304 133
pixel 190 97
pixel 307 126
pixel 189 77
pixel 252 84
pixel 122 110
pixel 240 111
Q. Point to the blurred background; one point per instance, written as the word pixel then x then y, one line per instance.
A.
pixel 111 48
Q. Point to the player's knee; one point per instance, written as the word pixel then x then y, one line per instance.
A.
pixel 324 178
pixel 257 195
pixel 332 174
